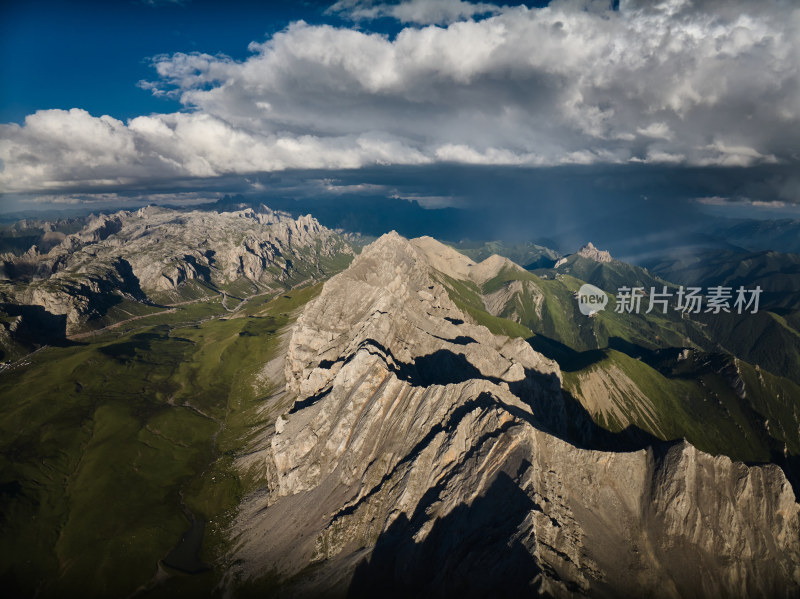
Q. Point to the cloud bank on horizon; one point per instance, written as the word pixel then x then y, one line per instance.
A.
pixel 677 82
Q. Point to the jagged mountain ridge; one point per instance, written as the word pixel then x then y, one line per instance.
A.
pixel 423 454
pixel 159 255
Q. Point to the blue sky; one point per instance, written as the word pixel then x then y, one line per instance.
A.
pixel 106 104
pixel 90 54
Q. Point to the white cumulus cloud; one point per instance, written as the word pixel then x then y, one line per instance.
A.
pixel 700 82
pixel 420 12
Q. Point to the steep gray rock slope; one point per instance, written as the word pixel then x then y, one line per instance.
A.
pixel 424 456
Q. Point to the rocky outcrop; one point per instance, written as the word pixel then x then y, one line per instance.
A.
pixel 77 298
pixel 424 456
pixel 505 300
pixel 592 253
pixel 160 250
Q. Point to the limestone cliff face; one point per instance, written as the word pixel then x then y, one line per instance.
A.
pixel 150 253
pixel 166 248
pixel 424 456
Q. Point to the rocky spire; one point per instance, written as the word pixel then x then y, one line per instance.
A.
pixel 592 253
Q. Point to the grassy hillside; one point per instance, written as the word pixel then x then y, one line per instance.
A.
pixel 720 405
pixel 609 276
pixel 109 447
pixel 632 370
pixel 546 305
pixel 544 302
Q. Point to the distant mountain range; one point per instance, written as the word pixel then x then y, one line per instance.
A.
pixel 782 235
pixel 125 264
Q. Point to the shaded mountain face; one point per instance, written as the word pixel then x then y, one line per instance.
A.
pixel 421 454
pixel 782 235
pixel 19 237
pixel 118 265
pixel 777 274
